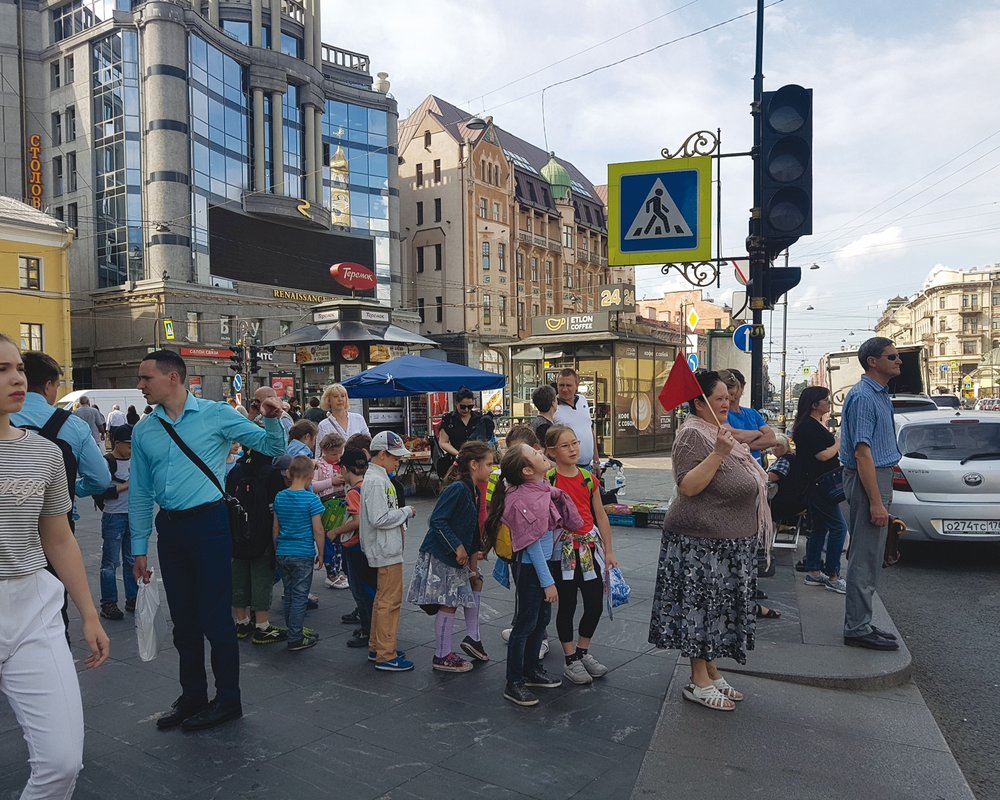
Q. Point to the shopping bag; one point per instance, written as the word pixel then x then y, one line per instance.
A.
pixel 149 620
pixel 617 592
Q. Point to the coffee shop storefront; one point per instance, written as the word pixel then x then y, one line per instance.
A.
pixel 622 369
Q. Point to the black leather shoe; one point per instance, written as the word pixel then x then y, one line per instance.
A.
pixel 358 639
pixel 212 716
pixel 351 619
pixel 871 641
pixel 884 634
pixel 181 710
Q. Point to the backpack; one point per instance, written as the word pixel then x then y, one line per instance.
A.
pixel 588 479
pixel 50 430
pixel 254 482
pixel 99 500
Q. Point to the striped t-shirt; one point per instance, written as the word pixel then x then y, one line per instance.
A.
pixel 32 484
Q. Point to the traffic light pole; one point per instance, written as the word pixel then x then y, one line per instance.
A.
pixel 755 243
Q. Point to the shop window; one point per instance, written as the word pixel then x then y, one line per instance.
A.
pixel 29 270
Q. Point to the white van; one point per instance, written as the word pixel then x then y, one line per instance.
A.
pixel 104 399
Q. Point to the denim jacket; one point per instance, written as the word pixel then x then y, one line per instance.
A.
pixel 454 522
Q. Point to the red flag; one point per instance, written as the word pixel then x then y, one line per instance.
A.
pixel 681 385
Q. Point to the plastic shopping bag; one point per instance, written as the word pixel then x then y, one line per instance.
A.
pixel 617 591
pixel 149 620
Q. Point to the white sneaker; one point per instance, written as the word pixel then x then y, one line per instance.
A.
pixel 594 667
pixel 340 582
pixel 576 672
pixel 505 634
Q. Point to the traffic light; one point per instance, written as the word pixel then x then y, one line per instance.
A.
pixel 237 358
pixel 254 360
pixel 786 166
pixel 775 281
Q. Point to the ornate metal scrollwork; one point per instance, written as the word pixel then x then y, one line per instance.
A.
pixel 701 273
pixel 700 143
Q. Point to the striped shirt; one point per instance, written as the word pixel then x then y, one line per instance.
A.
pixel 32 484
pixel 867 419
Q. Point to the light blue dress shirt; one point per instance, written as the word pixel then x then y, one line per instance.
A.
pixel 93 475
pixel 867 419
pixel 162 474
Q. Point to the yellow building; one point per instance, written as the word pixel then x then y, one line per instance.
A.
pixel 34 281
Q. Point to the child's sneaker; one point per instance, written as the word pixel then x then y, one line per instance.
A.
pixel 339 582
pixel 577 673
pixel 372 655
pixel 303 644
pixel 518 694
pixel 396 665
pixel 450 663
pixel 244 629
pixel 270 635
pixel 594 667
pixel 474 648
pixel 111 611
pixel 130 606
pixel 542 679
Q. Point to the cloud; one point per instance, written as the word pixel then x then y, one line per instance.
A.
pixel 869 247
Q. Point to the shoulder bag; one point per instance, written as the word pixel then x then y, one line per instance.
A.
pixel 830 486
pixel 239 520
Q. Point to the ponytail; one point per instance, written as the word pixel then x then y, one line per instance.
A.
pixel 511 472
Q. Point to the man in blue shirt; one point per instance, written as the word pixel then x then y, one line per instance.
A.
pixel 868 452
pixel 194 545
pixel 748 424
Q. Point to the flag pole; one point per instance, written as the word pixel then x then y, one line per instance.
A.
pixel 714 415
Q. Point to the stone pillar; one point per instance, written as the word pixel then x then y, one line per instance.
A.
pixel 307 31
pixel 259 134
pixel 166 167
pixel 318 33
pixel 276 25
pixel 277 143
pixel 256 26
pixel 213 12
pixel 309 157
pixel 318 177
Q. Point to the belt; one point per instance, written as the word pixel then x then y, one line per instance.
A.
pixel 190 512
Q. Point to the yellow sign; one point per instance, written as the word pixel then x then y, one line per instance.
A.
pixel 660 211
pixel 555 324
pixel 302 297
pixel 693 319
pixel 303 208
pixel 168 330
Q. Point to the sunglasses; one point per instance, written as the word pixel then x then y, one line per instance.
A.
pixel 466 408
pixel 893 357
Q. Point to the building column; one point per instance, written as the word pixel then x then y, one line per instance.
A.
pixel 213 12
pixel 309 157
pixel 256 25
pixel 318 177
pixel 307 31
pixel 317 33
pixel 276 25
pixel 277 142
pixel 259 161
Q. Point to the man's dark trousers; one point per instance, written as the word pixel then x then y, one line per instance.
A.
pixel 195 558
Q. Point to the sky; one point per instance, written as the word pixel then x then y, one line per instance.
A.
pixel 906 142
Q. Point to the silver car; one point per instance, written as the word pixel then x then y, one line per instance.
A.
pixel 947 485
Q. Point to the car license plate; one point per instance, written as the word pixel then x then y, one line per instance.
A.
pixel 973 526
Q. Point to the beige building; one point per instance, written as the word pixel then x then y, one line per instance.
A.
pixel 674 307
pixel 956 316
pixel 495 232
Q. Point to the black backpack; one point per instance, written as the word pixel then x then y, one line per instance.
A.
pixel 50 430
pixel 255 482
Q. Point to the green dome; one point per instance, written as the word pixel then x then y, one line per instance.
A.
pixel 558 178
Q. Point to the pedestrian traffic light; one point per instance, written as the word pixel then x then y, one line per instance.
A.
pixel 785 164
pixel 237 358
pixel 775 282
pixel 254 360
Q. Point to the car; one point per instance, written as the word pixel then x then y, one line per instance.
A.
pixel 946 402
pixel 910 403
pixel 946 486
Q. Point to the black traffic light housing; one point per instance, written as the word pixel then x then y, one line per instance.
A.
pixel 786 166
pixel 237 358
pixel 254 360
pixel 775 281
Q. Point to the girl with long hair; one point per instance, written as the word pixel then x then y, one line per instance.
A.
pixel 441 576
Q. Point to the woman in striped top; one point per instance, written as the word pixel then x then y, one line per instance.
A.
pixel 36 668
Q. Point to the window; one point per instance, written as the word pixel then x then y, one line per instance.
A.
pixel 482 169
pixel 72 216
pixel 531 193
pixel 420 259
pixel 437 170
pixel 438 258
pixel 970 301
pixel 54 81
pixel 520 315
pixel 996 323
pixel 567 278
pixel 57 212
pixel 502 310
pixel 970 348
pixel 420 174
pixel 996 299
pixel 427 139
pixel 718 324
pixel 487 309
pixel 193 320
pixel 942 348
pixel 420 308
pixel 534 269
pixel 529 220
pixel 71 172
pixel 567 235
pixel 31 336
pixel 942 324
pixel 548 272
pixel 942 302
pixel 584 243
pixel 502 257
pixel 420 213
pixel 56 127
pixel 534 309
pixel 57 176
pixel 482 208
pixel 579 279
pixel 970 325
pixel 519 266
pixel 70 123
pixel 29 270
pixel 496 212
pixel 437 209
pixel 486 255
pixel 439 308
pixel 68 70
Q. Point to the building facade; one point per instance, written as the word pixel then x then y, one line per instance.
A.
pixel 496 232
pixel 956 317
pixel 673 310
pixel 215 160
pixel 34 281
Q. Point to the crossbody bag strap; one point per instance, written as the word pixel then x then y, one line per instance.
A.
pixel 191 455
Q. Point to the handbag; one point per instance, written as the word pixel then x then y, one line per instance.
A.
pixel 830 486
pixel 239 520
pixel 148 620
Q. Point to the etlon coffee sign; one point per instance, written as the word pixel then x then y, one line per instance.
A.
pixel 353 276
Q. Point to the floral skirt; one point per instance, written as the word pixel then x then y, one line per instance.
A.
pixel 703 602
pixel 437 583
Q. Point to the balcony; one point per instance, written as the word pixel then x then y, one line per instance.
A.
pixel 524 236
pixel 970 310
pixel 346 59
pixel 541 241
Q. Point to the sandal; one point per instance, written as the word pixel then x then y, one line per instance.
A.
pixel 726 690
pixel 769 614
pixel 708 696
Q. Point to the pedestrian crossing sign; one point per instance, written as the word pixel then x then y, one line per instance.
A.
pixel 660 211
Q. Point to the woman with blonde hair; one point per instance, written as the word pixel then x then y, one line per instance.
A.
pixel 339 419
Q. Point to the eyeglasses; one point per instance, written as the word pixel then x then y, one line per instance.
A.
pixel 568 445
pixel 466 408
pixel 892 357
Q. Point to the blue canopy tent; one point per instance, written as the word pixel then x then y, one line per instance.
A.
pixel 410 375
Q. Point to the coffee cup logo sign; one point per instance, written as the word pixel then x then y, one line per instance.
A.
pixel 353 276
pixel 571 323
pixel 35 186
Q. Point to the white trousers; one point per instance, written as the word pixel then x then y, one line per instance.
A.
pixel 38 677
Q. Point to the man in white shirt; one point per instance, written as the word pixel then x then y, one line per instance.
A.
pixel 573 411
pixel 116 417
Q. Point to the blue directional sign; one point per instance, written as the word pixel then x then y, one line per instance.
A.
pixel 660 211
pixel 237 383
pixel 742 338
pixel 693 361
